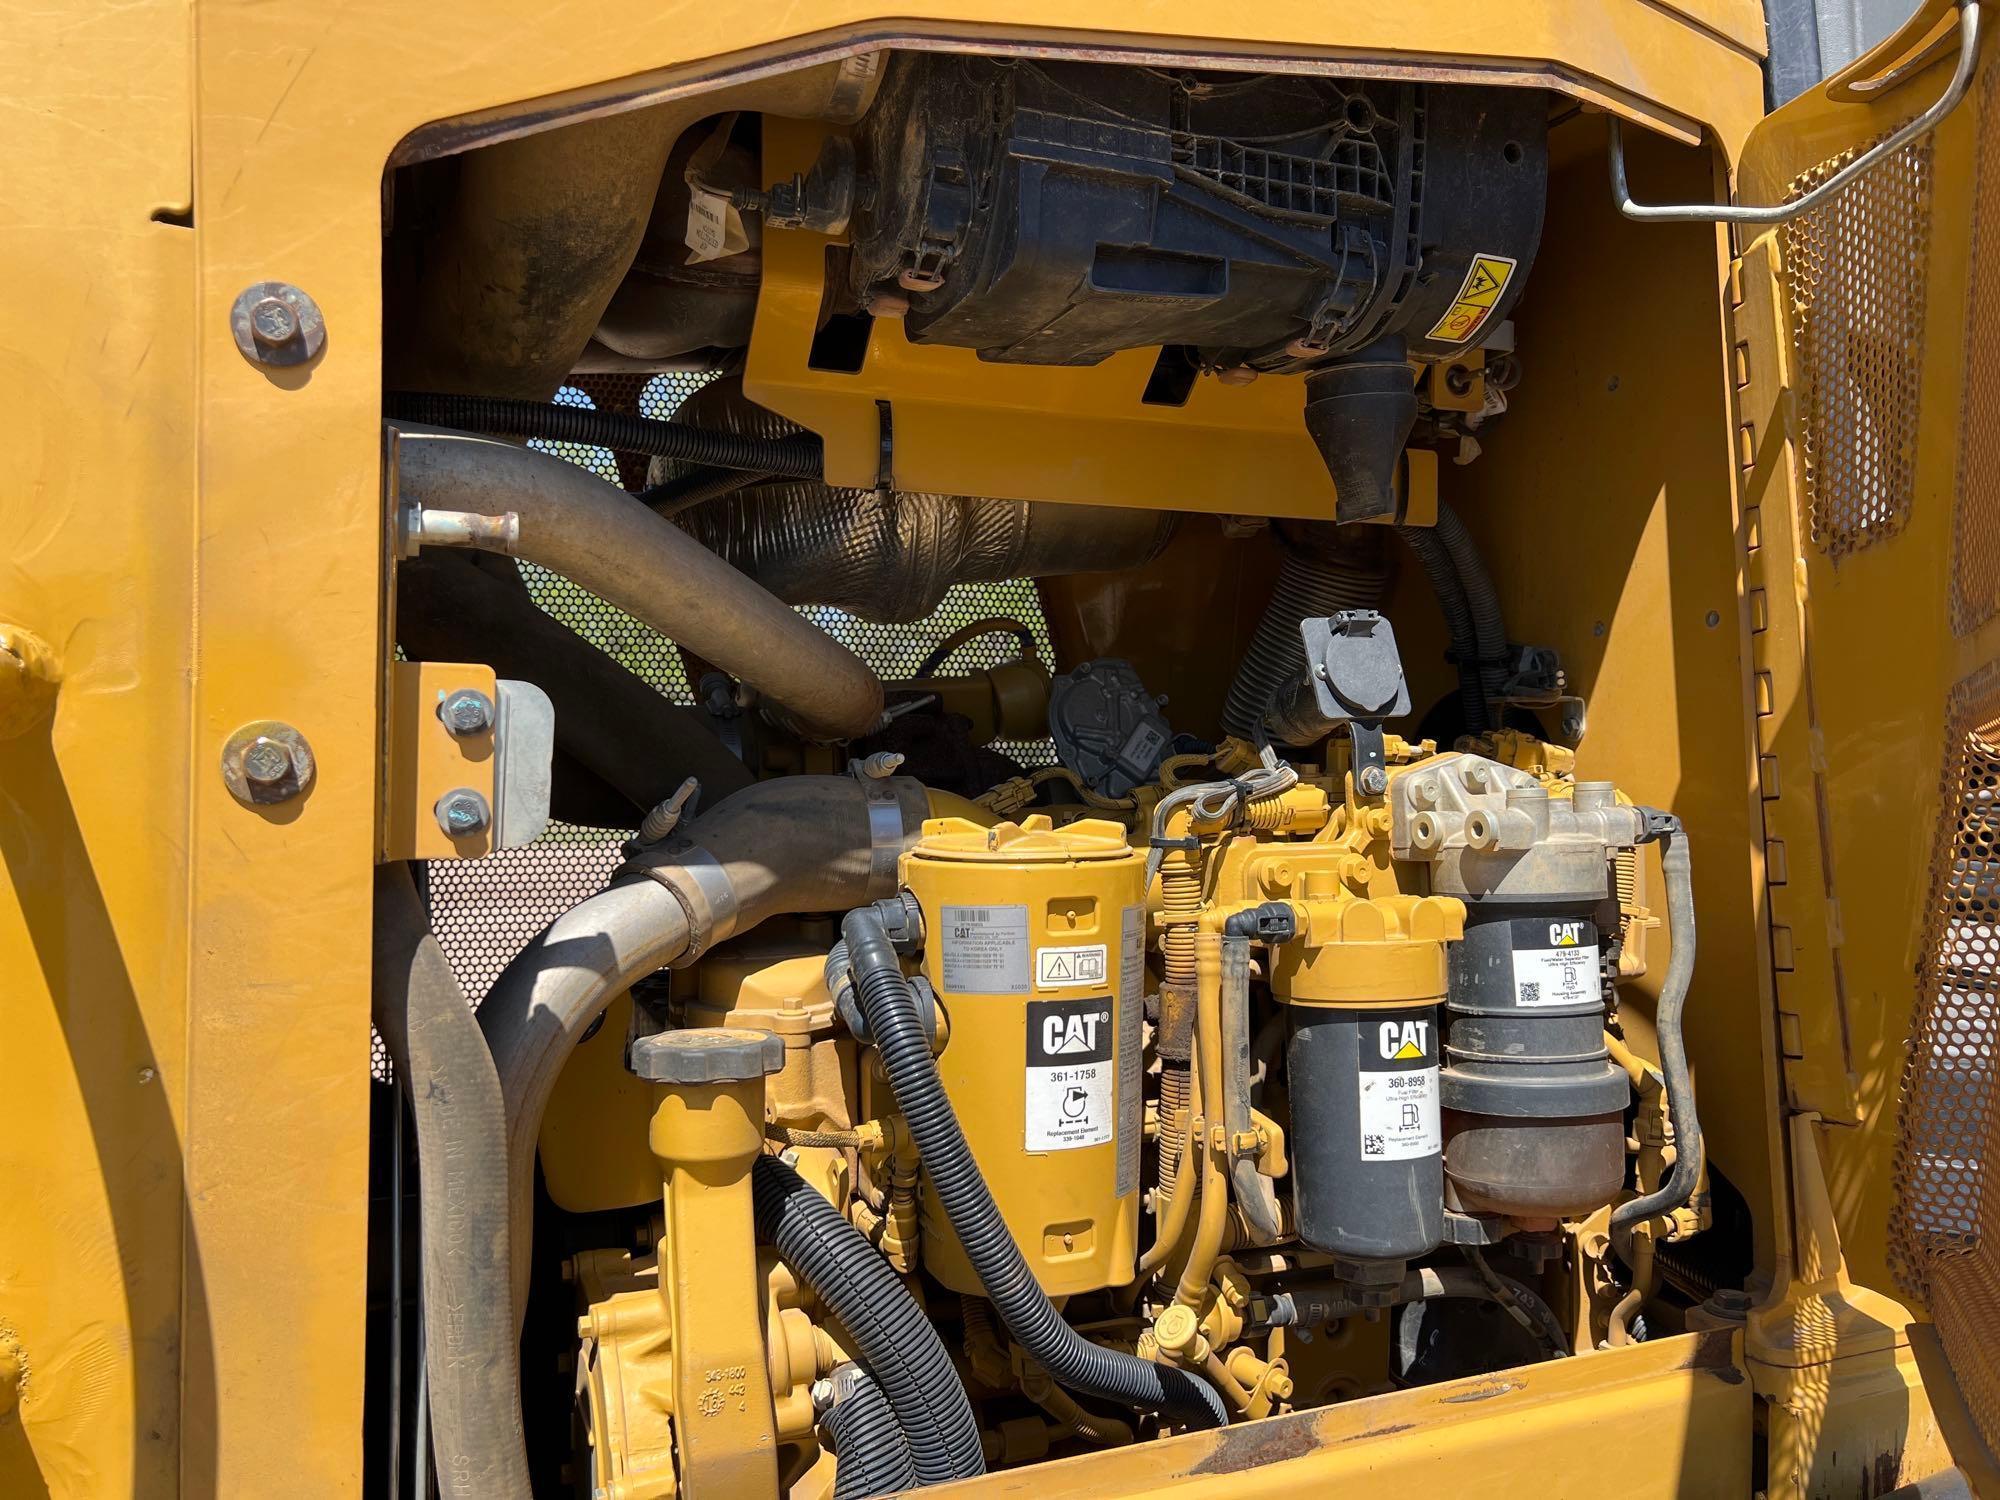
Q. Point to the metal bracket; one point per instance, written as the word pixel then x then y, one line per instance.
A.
pixel 1778 213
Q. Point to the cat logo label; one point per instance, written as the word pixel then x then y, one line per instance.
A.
pixel 1070 1096
pixel 1403 1041
pixel 1398 1086
pixel 1555 964
pixel 1075 1033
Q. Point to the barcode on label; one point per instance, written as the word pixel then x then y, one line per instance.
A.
pixel 1530 991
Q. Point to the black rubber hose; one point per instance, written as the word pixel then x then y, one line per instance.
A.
pixel 798 457
pixel 1686 1174
pixel 1031 1319
pixel 1311 584
pixel 1489 627
pixel 872 1456
pixel 898 1343
pixel 1438 567
pixel 685 491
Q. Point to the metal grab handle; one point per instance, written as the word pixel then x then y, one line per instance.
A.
pixel 1867 90
pixel 1778 213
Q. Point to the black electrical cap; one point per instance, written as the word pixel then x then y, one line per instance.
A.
pixel 708 1054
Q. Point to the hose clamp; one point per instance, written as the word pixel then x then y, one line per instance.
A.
pixel 703 888
pixel 883 798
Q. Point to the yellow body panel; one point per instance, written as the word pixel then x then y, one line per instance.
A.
pixel 201 544
pixel 1673 1420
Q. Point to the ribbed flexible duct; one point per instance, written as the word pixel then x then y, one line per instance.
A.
pixel 890 1332
pixel 1323 572
pixel 860 1426
pixel 1031 1319
pixel 889 557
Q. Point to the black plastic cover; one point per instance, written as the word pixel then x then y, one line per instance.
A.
pixel 1055 213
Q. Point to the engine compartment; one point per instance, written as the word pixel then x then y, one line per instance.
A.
pixel 1268 1010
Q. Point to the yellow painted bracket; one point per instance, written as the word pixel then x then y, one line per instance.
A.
pixel 963 425
pixel 426 761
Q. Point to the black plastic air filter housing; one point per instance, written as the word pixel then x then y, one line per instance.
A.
pixel 1056 213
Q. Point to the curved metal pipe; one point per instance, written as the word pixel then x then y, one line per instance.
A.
pixel 594 534
pixel 800 843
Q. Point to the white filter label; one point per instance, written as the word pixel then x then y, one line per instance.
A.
pixel 1071 1089
pixel 1555 963
pixel 983 950
pixel 1131 1047
pixel 1081 967
pixel 1399 1087
pixel 714 227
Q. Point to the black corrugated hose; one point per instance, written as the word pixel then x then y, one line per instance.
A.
pixel 1489 629
pixel 798 457
pixel 871 1456
pixel 1031 1319
pixel 898 1343
pixel 1443 574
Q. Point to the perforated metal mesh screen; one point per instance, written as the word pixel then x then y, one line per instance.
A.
pixel 484 911
pixel 1943 1230
pixel 1856 272
pixel 1975 579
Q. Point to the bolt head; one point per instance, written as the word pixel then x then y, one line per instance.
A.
pixel 1374 781
pixel 463 813
pixel 275 324
pixel 266 761
pixel 272 322
pixel 466 712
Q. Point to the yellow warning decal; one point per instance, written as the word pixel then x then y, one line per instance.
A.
pixel 1408 1049
pixel 1484 282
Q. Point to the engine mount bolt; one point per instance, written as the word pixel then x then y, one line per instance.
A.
pixel 266 762
pixel 276 325
pixel 466 712
pixel 463 813
pixel 1373 781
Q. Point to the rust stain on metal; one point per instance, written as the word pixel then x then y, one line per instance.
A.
pixel 1485 1391
pixel 1251 1447
pixel 1379 1432
pixel 1713 1353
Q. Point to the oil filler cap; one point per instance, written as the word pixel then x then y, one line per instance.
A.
pixel 708 1054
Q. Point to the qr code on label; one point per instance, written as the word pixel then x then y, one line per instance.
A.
pixel 1371 1145
pixel 1531 991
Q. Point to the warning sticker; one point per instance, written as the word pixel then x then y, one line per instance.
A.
pixel 1070 1088
pixel 984 950
pixel 1484 282
pixel 1399 1087
pixel 1070 968
pixel 1131 1045
pixel 1555 963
